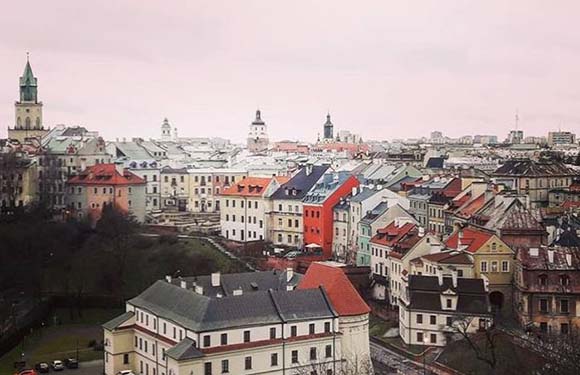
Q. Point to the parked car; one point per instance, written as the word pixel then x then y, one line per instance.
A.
pixel 42 367
pixel 27 372
pixel 125 372
pixel 71 363
pixel 57 365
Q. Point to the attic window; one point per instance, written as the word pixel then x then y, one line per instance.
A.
pixel 543 280
pixel 564 280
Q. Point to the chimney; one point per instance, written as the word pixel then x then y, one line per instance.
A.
pixel 183 284
pixel 119 167
pixel 199 289
pixel 551 255
pixel 454 277
pixel 440 277
pixel 289 274
pixel 308 169
pixel 215 279
pixel 569 259
pixel 379 187
pixel 238 291
pixel 421 231
pixel 354 189
pixel 83 164
pixel 168 278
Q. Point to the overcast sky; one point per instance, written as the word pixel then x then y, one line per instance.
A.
pixel 384 69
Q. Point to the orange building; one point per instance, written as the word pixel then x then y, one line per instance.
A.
pixel 318 206
pixel 102 184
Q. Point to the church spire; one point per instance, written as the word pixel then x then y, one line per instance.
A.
pixel 28 84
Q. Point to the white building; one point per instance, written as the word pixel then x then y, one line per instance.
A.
pixel 249 323
pixel 434 308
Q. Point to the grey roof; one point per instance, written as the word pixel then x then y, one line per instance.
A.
pixel 301 183
pixel 184 350
pixel 247 281
pixel 116 322
pixel 201 313
pixel 375 213
pixel 364 194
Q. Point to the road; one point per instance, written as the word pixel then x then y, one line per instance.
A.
pixel 85 368
pixel 388 362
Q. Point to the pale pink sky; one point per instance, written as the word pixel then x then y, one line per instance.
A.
pixel 385 69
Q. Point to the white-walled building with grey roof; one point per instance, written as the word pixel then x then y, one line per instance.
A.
pixel 245 323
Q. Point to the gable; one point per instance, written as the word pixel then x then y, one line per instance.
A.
pixel 495 245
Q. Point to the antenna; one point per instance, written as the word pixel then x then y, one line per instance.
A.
pixel 517 119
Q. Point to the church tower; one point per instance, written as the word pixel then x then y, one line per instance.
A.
pixel 28 110
pixel 166 130
pixel 328 129
pixel 258 135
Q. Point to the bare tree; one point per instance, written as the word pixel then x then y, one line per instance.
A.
pixel 358 366
pixel 483 343
pixel 561 352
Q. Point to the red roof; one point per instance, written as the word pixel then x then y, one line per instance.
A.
pixel 472 207
pixel 392 234
pixel 342 294
pixel 105 174
pixel 472 238
pixel 252 186
pixel 570 204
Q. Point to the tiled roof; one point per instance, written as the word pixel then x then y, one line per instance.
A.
pixel 251 186
pixel 391 234
pixel 541 261
pixel 344 298
pixel 105 174
pixel 449 257
pixel 116 322
pixel 184 350
pixel 472 238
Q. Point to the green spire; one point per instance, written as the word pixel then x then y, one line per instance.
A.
pixel 28 84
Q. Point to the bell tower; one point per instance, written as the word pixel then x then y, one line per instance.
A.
pixel 28 110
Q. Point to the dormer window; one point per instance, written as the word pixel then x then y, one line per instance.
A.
pixel 448 303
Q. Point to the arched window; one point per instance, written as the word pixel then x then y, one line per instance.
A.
pixel 38 123
pixel 27 123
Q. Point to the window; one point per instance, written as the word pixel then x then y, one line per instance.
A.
pixel 564 328
pixel 449 321
pixel 140 343
pixel 274 359
pixel 483 266
pixel 544 327
pixel 433 319
pixel 420 337
pixel 564 280
pixel 125 358
pixel 327 327
pixel 136 342
pixel 146 342
pixel 272 333
pixel 543 305
pixel 246 336
pixel 224 339
pixel 207 368
pixel 164 328
pixel 248 363
pixel 494 266
pixel 311 329
pixel 225 366
pixel 564 308
pixel 206 340
pixel 543 280
pixel 505 266
pixel 419 318
pixel 312 354
pixel 328 351
pixel 449 303
pixel 294 356
pixel 293 331
pixel 433 338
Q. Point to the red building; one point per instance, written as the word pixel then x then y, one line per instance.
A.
pixel 318 209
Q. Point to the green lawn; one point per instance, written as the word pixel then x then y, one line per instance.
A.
pixel 378 327
pixel 61 341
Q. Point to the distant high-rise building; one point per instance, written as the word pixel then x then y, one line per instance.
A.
pixel 328 129
pixel 515 137
pixel 258 135
pixel 28 109
pixel 561 138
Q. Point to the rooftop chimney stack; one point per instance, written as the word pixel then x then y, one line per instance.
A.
pixel 551 255
pixel 215 279
pixel 168 278
pixel 454 277
pixel 183 284
pixel 289 274
pixel 569 259
pixel 440 277
pixel 199 289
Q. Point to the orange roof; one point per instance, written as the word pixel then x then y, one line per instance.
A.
pixel 252 186
pixel 472 238
pixel 570 204
pixel 344 298
pixel 105 174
